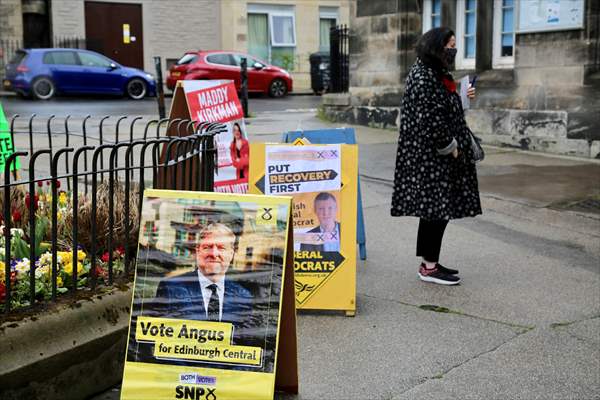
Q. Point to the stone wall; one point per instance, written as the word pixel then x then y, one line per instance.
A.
pixel 11 20
pixel 168 31
pixel 549 101
pixel 68 351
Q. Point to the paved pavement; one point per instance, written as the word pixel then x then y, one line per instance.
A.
pixel 523 324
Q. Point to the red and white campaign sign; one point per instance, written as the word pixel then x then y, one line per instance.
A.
pixel 215 104
pixel 217 101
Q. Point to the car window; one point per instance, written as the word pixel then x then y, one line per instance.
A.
pixel 223 59
pixel 237 58
pixel 18 57
pixel 249 62
pixel 187 59
pixel 61 57
pixel 93 60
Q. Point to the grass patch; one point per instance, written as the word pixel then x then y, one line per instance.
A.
pixel 322 115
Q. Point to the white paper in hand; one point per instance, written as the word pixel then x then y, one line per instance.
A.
pixel 464 86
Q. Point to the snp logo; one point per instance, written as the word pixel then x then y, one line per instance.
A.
pixel 195 393
pixel 266 215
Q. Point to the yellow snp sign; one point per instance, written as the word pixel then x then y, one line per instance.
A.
pixel 322 180
pixel 213 311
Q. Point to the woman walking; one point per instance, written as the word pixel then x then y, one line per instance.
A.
pixel 435 177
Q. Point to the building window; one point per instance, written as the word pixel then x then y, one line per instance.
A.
pixel 432 14
pixel 283 33
pixel 466 29
pixel 504 33
pixel 470 23
pixel 328 18
pixel 272 34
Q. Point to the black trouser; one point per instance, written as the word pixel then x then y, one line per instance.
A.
pixel 429 238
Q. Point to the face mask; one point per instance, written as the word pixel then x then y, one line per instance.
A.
pixel 450 54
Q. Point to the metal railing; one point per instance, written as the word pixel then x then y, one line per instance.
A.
pixel 101 207
pixel 339 59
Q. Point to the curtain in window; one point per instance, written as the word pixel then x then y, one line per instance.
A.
pixel 325 25
pixel 283 30
pixel 258 36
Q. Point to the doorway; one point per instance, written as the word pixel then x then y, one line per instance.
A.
pixel 115 30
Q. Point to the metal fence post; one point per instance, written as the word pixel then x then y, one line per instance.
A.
pixel 244 99
pixel 160 95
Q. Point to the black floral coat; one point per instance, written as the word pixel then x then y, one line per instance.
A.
pixel 429 182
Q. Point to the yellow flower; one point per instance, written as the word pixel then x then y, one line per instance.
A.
pixel 67 256
pixel 59 281
pixel 69 268
pixel 62 199
pixel 2 274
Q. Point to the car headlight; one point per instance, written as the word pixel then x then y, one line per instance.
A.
pixel 285 73
pixel 150 77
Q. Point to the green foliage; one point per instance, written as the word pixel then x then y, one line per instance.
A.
pixel 20 248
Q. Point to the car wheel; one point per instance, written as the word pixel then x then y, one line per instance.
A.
pixel 43 88
pixel 277 88
pixel 136 88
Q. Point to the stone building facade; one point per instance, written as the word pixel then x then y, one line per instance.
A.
pixel 540 91
pixel 170 28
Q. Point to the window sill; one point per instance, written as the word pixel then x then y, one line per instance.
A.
pixel 489 78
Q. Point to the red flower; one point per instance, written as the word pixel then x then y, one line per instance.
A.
pixel 104 257
pixel 35 201
pixel 101 272
pixel 16 215
pixel 2 291
pixel 57 183
pixel 40 183
pixel 120 250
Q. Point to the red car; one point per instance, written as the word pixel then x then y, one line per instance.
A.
pixel 262 77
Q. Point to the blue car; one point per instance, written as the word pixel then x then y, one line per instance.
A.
pixel 43 73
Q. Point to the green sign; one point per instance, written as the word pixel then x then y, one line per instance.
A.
pixel 6 144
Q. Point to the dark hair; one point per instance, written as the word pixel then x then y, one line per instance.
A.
pixel 324 196
pixel 240 129
pixel 430 47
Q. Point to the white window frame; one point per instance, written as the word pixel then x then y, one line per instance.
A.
pixel 273 9
pixel 327 13
pixel 428 14
pixel 498 61
pixel 427 7
pixel 271 26
pixel 463 63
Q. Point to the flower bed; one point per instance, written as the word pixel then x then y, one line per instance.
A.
pixel 20 263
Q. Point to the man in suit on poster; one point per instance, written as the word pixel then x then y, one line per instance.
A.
pixel 207 293
pixel 328 231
